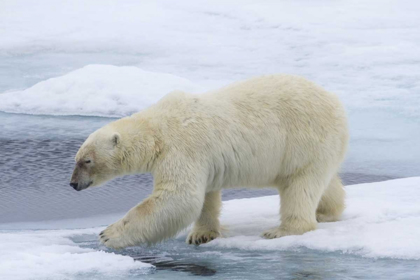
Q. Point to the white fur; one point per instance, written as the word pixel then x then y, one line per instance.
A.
pixel 280 131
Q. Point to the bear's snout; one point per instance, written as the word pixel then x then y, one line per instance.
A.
pixel 74 185
pixel 74 179
pixel 80 179
pixel 80 186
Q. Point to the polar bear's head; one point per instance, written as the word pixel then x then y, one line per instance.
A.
pixel 98 159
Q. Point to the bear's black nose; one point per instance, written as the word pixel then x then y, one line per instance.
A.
pixel 74 185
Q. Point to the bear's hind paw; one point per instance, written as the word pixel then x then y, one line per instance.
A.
pixel 280 231
pixel 275 233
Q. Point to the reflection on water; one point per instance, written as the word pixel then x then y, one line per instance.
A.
pixel 162 264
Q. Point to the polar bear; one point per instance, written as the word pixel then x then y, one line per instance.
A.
pixel 279 130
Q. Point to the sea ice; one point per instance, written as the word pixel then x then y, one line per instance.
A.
pixel 52 255
pixel 382 220
pixel 95 90
pixel 365 51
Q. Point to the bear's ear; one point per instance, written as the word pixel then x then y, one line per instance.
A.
pixel 116 139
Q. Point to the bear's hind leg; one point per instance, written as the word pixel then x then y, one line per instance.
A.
pixel 299 200
pixel 207 227
pixel 332 202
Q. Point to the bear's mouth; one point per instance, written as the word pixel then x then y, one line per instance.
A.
pixel 84 186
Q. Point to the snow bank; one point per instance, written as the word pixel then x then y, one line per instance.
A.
pixel 52 255
pixel 382 220
pixel 95 90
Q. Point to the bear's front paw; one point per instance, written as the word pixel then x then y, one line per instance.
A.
pixel 117 235
pixel 200 236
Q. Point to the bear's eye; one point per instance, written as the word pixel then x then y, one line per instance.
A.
pixel 87 161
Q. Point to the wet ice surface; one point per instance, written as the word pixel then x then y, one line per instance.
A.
pixel 197 262
pixel 176 260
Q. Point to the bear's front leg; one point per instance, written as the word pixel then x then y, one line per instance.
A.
pixel 207 227
pixel 132 228
pixel 168 210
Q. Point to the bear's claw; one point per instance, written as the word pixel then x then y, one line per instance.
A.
pixel 201 237
pixel 280 231
pixel 275 233
pixel 116 236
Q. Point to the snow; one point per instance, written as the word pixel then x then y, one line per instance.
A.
pixel 98 90
pixel 382 220
pixel 365 51
pixel 53 255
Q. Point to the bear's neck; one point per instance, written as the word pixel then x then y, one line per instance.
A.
pixel 140 146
